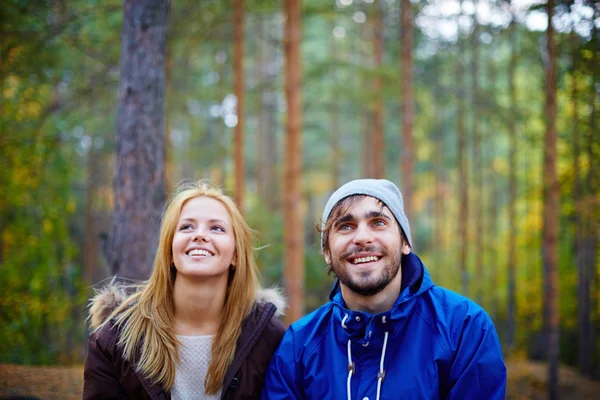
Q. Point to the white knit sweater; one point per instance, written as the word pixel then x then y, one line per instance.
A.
pixel 190 374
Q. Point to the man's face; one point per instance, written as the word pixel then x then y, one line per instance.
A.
pixel 365 247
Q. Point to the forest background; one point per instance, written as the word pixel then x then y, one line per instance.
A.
pixel 482 112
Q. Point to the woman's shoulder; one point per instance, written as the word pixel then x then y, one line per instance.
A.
pixel 269 305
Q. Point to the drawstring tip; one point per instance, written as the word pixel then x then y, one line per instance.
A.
pixel 351 368
pixel 381 375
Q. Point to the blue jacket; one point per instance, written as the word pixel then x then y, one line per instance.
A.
pixel 433 344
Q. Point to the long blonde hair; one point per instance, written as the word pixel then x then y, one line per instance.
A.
pixel 145 319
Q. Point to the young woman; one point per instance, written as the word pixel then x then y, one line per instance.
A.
pixel 200 327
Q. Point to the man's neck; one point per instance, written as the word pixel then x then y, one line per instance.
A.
pixel 378 303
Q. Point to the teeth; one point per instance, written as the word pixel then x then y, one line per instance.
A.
pixel 364 259
pixel 197 252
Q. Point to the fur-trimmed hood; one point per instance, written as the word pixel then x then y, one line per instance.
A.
pixel 108 298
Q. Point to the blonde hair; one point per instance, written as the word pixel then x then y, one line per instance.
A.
pixel 146 321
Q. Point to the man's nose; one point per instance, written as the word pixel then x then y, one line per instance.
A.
pixel 363 234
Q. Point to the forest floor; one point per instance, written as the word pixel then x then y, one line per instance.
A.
pixel 526 380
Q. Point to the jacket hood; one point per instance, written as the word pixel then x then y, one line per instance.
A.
pixel 360 326
pixel 111 296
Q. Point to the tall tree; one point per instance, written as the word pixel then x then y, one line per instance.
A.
pixel 140 143
pixel 238 79
pixel 335 118
pixel 592 218
pixel 408 105
pixel 512 188
pixel 477 197
pixel 463 169
pixel 366 117
pixel 584 310
pixel 550 213
pixel 259 68
pixel 378 155
pixel 292 212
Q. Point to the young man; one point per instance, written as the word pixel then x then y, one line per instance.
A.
pixel 387 331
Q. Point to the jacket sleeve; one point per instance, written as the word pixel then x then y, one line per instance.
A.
pixel 281 381
pixel 100 372
pixel 477 370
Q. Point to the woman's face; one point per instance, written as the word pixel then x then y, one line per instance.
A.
pixel 204 244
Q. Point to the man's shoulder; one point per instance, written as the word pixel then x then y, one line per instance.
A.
pixel 455 307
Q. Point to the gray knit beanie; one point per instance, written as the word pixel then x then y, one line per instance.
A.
pixel 381 189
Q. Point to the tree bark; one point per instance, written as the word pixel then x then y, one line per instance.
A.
pixel 140 166
pixel 293 228
pixel 511 317
pixel 550 214
pixel 378 156
pixel 335 122
pixel 91 234
pixel 408 106
pixel 463 169
pixel 238 76
pixel 259 75
pixel 477 191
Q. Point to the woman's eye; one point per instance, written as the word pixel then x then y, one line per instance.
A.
pixel 218 228
pixel 185 227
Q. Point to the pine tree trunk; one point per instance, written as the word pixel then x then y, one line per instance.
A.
pixel 592 222
pixel 512 191
pixel 378 155
pixel 293 228
pixel 477 164
pixel 91 233
pixel 140 148
pixel 259 76
pixel 335 123
pixel 408 106
pixel 238 77
pixel 550 214
pixel 463 169
pixel 365 113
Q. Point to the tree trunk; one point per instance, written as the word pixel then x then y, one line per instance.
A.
pixel 511 317
pixel 140 166
pixel 293 228
pixel 550 214
pixel 365 113
pixel 238 76
pixel 335 122
pixel 378 155
pixel 91 233
pixel 590 204
pixel 463 168
pixel 408 106
pixel 477 164
pixel 259 69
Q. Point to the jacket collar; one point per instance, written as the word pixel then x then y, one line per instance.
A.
pixel 362 326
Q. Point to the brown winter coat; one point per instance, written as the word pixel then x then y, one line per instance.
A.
pixel 108 376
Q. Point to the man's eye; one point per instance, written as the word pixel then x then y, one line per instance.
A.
pixel 379 222
pixel 344 227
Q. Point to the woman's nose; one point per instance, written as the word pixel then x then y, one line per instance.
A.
pixel 199 236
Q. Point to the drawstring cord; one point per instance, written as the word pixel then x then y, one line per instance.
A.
pixel 351 367
pixel 381 374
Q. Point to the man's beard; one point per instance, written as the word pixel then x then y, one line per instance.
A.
pixel 364 284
